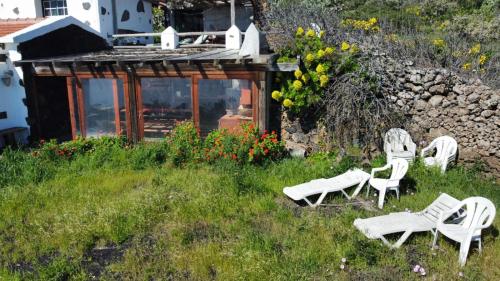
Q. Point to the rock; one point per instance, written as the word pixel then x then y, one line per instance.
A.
pixel 405 95
pixel 415 78
pixel 429 77
pixel 428 85
pixel 420 105
pixel 439 79
pixel 299 137
pixel 436 100
pixel 437 89
pixel 487 113
pixel 458 89
pixel 426 95
pixel 433 113
pixel 474 97
pixel 446 103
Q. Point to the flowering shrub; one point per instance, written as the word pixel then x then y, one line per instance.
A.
pixel 320 64
pixel 184 143
pixel 247 147
pixel 364 25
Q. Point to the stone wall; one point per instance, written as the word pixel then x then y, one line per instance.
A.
pixel 437 102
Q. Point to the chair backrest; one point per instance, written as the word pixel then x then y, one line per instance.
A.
pixel 396 139
pixel 446 148
pixel 442 204
pixel 480 213
pixel 399 168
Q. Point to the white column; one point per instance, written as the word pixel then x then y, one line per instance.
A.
pixel 169 39
pixel 233 38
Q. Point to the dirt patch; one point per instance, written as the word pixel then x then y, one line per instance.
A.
pixel 97 259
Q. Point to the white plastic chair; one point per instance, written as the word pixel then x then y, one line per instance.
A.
pixel 398 144
pixel 399 168
pixel 480 213
pixel 446 152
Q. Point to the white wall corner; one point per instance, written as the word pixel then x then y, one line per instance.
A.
pixel 233 38
pixel 251 45
pixel 169 39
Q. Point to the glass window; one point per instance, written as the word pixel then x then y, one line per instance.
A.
pixel 105 112
pixel 224 104
pixel 54 8
pixel 165 101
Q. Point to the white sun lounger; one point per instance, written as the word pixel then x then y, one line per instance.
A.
pixel 325 186
pixel 406 222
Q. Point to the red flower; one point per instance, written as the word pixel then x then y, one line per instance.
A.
pixel 235 157
pixel 266 151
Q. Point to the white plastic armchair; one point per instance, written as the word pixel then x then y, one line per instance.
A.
pixel 398 144
pixel 479 214
pixel 446 152
pixel 399 168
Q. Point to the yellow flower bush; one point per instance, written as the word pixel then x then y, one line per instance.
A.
pixel 310 33
pixel 475 49
pixel 483 59
pixel 297 73
pixel 310 58
pixel 345 46
pixel 306 78
pixel 366 25
pixel 320 69
pixel 439 43
pixel 276 95
pixel 320 54
pixel 466 66
pixel 305 87
pixel 287 103
pixel 323 80
pixel 300 31
pixel 297 85
pixel 354 49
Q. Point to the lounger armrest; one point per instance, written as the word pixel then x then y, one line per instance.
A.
pixel 446 214
pixel 374 170
pixel 412 147
pixel 426 150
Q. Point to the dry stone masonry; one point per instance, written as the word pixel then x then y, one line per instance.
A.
pixel 437 102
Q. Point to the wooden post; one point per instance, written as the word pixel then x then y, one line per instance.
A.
pixel 233 13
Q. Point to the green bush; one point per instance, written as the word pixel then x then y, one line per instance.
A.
pixel 184 143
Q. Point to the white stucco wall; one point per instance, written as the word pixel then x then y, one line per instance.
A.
pixel 97 14
pixel 11 97
pixel 20 9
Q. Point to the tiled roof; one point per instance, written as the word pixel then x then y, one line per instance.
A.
pixel 12 25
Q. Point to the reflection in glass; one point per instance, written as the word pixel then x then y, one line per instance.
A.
pixel 104 104
pixel 224 104
pixel 165 101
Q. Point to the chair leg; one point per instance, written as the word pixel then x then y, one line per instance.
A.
pixel 464 251
pixel 434 241
pixel 397 193
pixel 479 244
pixel 381 196
pixel 368 191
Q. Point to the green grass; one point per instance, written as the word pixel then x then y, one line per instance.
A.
pixel 120 220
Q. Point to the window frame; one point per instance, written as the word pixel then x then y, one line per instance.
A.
pixel 48 11
pixel 195 77
pixel 81 102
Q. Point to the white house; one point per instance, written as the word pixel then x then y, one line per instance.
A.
pixel 22 20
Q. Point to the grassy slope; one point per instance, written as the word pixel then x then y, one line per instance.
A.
pixel 218 222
